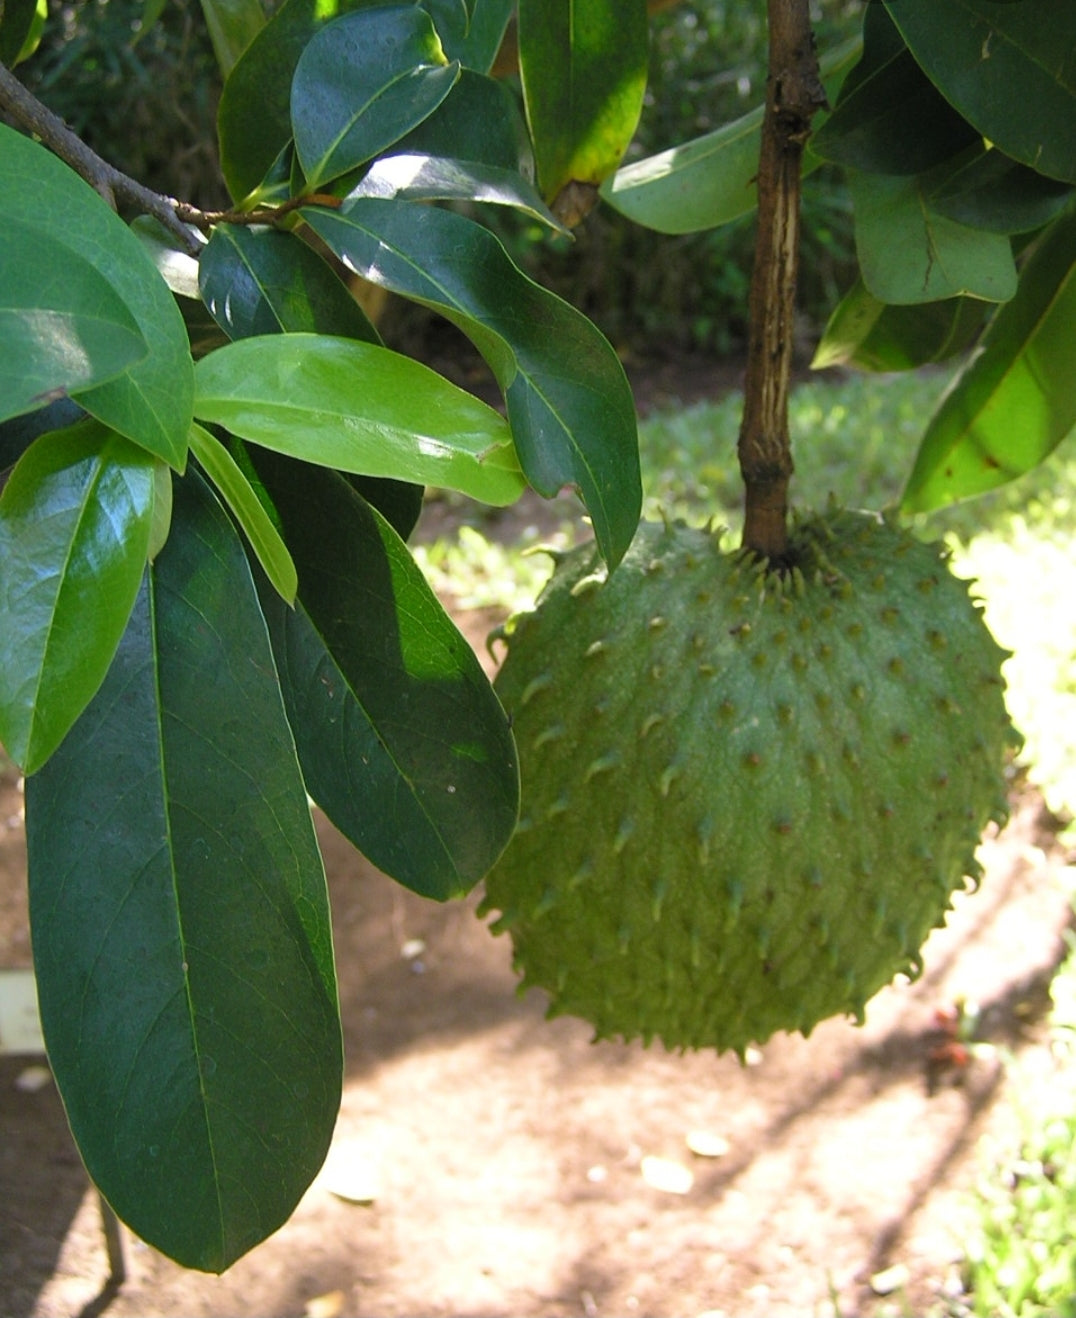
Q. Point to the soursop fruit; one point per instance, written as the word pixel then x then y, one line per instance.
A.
pixel 747 796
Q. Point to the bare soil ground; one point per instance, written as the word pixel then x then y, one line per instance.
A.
pixel 490 1163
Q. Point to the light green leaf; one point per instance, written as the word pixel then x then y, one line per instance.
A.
pixel 149 401
pixel 909 253
pixel 568 401
pixel 225 473
pixel 583 65
pixel 401 739
pixel 161 522
pixel 180 917
pixel 361 408
pixel 874 336
pixel 709 181
pixel 1015 401
pixel 63 327
pixel 362 83
pixel 233 25
pixel 75 520
pixel 1008 69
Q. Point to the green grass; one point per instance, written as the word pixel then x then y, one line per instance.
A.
pixel 1018 1239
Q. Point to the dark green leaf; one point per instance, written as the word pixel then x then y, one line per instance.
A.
pixel 1016 399
pixel 874 336
pixel 150 401
pixel 63 327
pixel 259 281
pixel 398 502
pixel 233 486
pixel 450 18
pixel 583 65
pixel 362 83
pixel 1007 68
pixel 909 253
pixel 16 22
pixel 233 25
pixel 477 122
pixel 711 180
pixel 19 433
pixel 254 116
pixel 180 918
pixel 987 190
pixel 361 408
pixel 478 47
pixel 890 118
pixel 569 404
pixel 75 521
pixel 402 741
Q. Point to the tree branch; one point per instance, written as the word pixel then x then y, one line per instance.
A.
pixel 113 185
pixel 794 92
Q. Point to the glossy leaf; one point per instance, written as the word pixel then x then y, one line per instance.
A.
pixel 910 253
pixel 709 181
pixel 890 118
pixel 988 190
pixel 478 46
pixel 234 488
pixel 254 114
pixel 150 401
pixel 874 336
pixel 362 83
pixel 435 178
pixel 260 281
pixel 233 25
pixel 402 741
pixel 1016 399
pixel 75 520
pixel 180 918
pixel 1007 68
pixel 359 408
pixel 63 327
pixel 161 517
pixel 583 65
pixel 569 404
pixel 478 122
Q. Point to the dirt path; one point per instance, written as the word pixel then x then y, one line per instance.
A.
pixel 505 1159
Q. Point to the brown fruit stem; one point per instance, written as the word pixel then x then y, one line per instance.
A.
pixel 794 92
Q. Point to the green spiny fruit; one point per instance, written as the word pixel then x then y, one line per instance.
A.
pixel 747 796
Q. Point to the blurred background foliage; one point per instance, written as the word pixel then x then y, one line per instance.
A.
pixel 137 80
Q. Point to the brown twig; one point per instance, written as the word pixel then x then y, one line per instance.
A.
pixel 794 92
pixel 178 217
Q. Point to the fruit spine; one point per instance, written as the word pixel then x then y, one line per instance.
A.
pixel 747 795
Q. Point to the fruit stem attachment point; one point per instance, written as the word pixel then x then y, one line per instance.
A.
pixel 794 92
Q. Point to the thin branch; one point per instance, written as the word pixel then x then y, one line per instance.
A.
pixel 178 217
pixel 794 92
pixel 113 185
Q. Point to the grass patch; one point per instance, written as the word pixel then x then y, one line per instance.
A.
pixel 1019 1245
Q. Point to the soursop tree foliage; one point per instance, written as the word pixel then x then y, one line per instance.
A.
pixel 212 462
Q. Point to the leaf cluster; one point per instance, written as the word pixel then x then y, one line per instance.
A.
pixel 209 611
